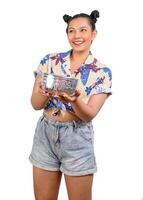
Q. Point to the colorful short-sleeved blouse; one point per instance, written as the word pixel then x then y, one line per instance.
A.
pixel 93 77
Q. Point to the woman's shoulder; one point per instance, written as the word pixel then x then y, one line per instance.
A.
pixel 58 54
pixel 45 59
pixel 102 66
pixel 103 69
pixel 99 69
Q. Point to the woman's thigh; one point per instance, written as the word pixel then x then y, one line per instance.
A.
pixel 46 184
pixel 79 187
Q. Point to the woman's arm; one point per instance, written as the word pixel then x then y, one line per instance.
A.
pixel 88 111
pixel 39 97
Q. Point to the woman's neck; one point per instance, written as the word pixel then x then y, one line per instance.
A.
pixel 82 55
pixel 77 58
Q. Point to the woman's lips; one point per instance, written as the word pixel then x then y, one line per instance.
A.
pixel 77 42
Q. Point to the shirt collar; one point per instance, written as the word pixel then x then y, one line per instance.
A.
pixel 89 60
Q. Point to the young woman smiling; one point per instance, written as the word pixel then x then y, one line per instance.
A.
pixel 63 140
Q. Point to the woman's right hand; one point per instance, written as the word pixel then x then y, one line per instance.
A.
pixel 38 88
pixel 45 93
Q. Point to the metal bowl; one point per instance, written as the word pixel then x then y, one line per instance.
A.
pixel 51 82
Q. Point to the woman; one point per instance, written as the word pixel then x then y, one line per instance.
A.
pixel 63 140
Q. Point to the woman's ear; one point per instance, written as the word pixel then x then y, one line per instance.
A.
pixel 94 33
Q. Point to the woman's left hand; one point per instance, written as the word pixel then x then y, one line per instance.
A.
pixel 70 98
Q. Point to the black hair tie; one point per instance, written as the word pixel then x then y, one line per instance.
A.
pixel 94 15
pixel 67 18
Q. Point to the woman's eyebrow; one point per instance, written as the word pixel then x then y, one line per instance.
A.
pixel 70 28
pixel 79 27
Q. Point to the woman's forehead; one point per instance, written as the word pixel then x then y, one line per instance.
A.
pixel 79 22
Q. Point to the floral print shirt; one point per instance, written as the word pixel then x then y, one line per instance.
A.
pixel 93 77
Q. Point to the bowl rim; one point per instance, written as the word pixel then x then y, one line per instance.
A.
pixel 59 76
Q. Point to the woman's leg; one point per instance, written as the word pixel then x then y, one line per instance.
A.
pixel 46 184
pixel 79 187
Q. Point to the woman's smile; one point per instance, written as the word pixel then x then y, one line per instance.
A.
pixel 77 42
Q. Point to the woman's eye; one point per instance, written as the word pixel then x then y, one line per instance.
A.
pixel 70 31
pixel 83 30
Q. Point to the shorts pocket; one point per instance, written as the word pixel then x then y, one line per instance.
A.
pixel 86 132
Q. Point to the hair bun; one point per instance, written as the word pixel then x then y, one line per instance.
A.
pixel 67 18
pixel 94 15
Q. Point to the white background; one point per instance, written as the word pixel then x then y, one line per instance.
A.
pixel 30 30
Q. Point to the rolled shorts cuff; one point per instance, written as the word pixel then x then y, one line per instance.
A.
pixel 80 173
pixel 42 166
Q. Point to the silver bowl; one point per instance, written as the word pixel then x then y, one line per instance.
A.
pixel 52 82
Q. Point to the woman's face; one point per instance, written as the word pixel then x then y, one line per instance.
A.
pixel 80 34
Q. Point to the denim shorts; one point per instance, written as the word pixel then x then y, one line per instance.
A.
pixel 64 146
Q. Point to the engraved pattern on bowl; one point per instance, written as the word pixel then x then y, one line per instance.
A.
pixel 59 83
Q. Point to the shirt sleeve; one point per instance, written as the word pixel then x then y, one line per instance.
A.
pixel 103 82
pixel 42 67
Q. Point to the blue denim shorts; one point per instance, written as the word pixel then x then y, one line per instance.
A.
pixel 64 146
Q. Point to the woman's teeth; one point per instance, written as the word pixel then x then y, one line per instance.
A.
pixel 77 42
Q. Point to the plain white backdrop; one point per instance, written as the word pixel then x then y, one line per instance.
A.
pixel 31 29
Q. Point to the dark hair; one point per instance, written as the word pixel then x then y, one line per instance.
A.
pixel 92 18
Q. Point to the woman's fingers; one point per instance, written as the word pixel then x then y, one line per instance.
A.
pixel 62 96
pixel 77 93
pixel 70 98
pixel 45 93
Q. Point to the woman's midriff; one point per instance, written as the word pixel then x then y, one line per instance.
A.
pixel 63 116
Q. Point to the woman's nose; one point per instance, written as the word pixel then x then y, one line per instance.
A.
pixel 77 34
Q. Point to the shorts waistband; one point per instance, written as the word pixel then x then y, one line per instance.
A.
pixel 64 123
